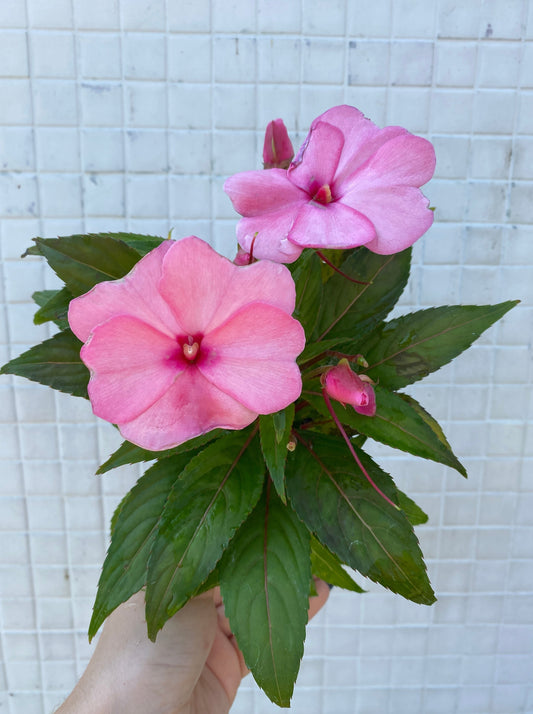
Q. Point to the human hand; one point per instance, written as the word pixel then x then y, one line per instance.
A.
pixel 194 667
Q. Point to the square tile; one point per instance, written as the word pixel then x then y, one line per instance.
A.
pixel 97 15
pixel 101 104
pixel 144 55
pixel 455 64
pixel 368 62
pixel 147 196
pixel 278 59
pixel 146 150
pixel 323 61
pixel 13 54
pixel 369 19
pixel 189 16
pixel 189 58
pixel 52 54
pixel 99 56
pixel 236 16
pixel 411 63
pixel 145 15
pixel 54 15
pixel 146 104
pixel 320 19
pixel 16 149
pixel 57 149
pixel 102 150
pixel 55 102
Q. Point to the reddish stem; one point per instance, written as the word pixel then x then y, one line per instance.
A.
pixel 352 450
pixel 338 270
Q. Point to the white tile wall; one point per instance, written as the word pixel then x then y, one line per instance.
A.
pixel 129 114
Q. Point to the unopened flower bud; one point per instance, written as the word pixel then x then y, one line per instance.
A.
pixel 242 257
pixel 277 150
pixel 347 387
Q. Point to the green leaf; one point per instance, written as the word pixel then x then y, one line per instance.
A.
pixel 82 261
pixel 316 349
pixel 275 431
pixel 143 244
pixel 350 310
pixel 41 297
pixel 328 567
pixel 128 453
pixel 216 492
pixel 397 423
pixel 308 280
pixel 264 579
pixel 412 510
pixel 55 308
pixel 55 362
pixel 134 527
pixel 349 517
pixel 408 348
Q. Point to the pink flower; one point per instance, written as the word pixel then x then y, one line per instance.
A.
pixel 187 342
pixel 351 184
pixel 347 387
pixel 277 150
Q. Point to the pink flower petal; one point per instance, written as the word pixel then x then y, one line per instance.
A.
pixel 268 234
pixel 330 226
pixel 192 406
pixel 255 193
pixel 131 364
pixel 362 138
pixel 194 281
pixel 318 158
pixel 400 215
pixel 204 288
pixel 252 358
pixel 405 160
pixel 265 282
pixel 135 294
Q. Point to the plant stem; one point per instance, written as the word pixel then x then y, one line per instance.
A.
pixel 352 450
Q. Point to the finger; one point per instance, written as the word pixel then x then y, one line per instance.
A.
pixel 317 602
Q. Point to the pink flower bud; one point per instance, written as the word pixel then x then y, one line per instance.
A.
pixel 277 151
pixel 347 387
pixel 242 257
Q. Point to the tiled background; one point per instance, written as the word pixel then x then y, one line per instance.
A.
pixel 129 114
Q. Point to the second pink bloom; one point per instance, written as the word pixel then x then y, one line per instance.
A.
pixel 351 184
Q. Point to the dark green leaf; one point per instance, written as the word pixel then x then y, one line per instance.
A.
pixel 275 431
pixel 214 495
pixel 316 349
pixel 350 310
pixel 55 362
pixel 328 567
pixel 134 527
pixel 82 261
pixel 308 280
pixel 41 297
pixel 141 243
pixel 408 348
pixel 128 453
pixel 349 517
pixel 412 510
pixel 399 424
pixel 264 578
pixel 54 309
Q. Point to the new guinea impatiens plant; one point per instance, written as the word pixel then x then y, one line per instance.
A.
pixel 253 386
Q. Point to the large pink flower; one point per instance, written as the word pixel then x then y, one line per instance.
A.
pixel 188 342
pixel 351 184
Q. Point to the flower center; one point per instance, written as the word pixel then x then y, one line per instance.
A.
pixel 190 348
pixel 323 195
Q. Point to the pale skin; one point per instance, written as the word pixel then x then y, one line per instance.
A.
pixel 194 667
